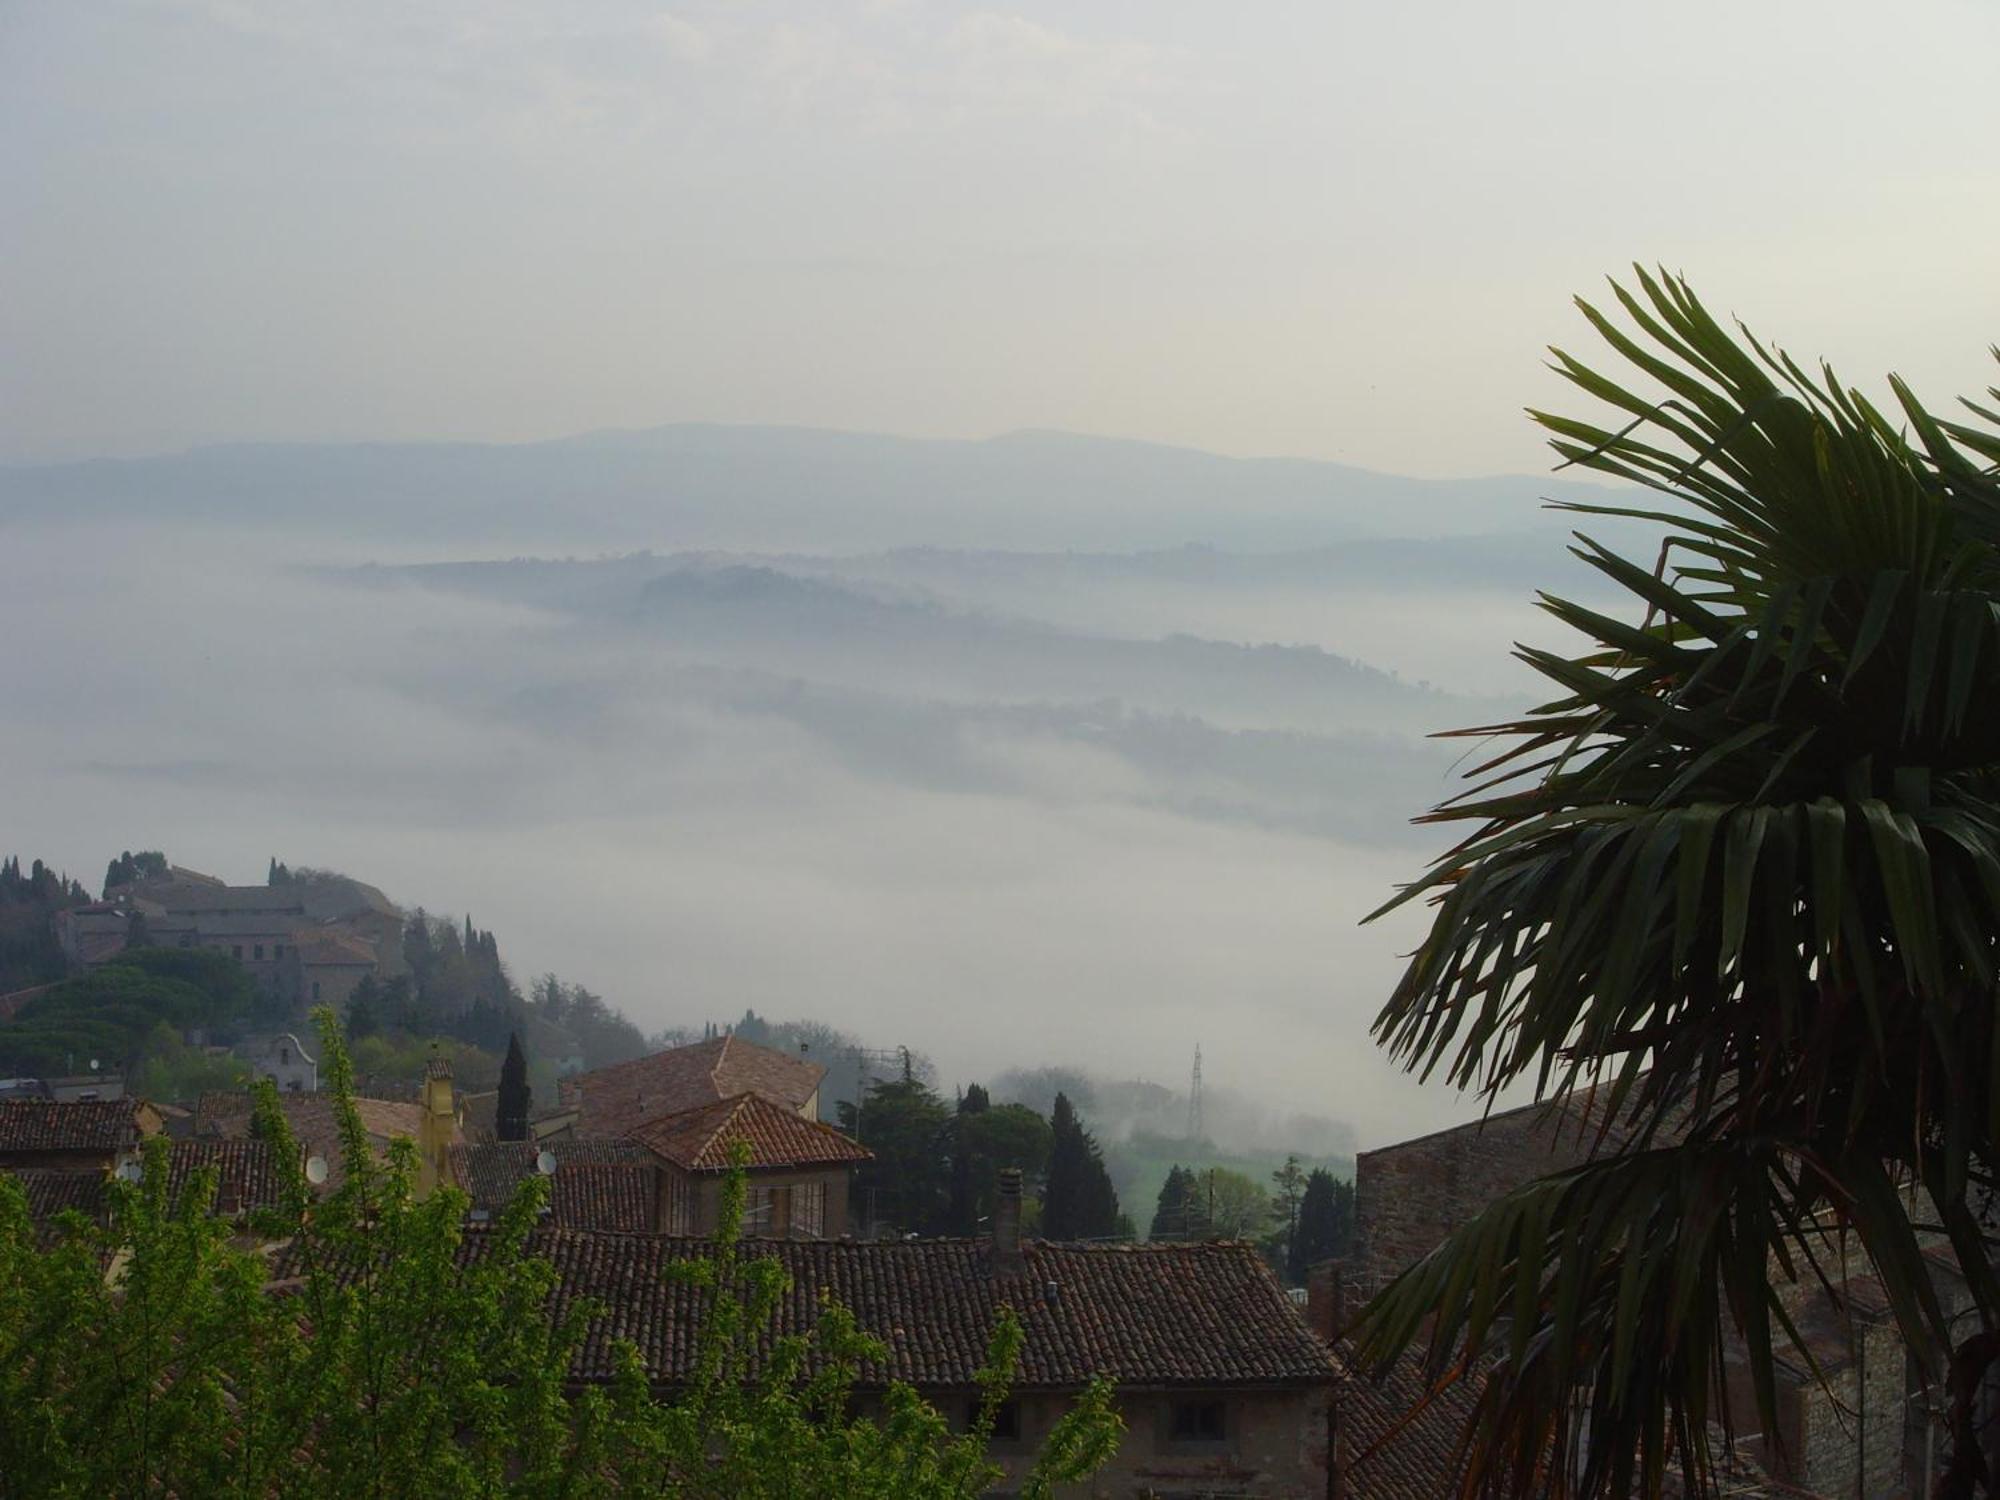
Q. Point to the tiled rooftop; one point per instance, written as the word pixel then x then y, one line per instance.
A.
pixel 618 1099
pixel 1205 1316
pixel 246 1172
pixel 51 1190
pixel 597 1184
pixel 227 1116
pixel 700 1140
pixel 35 1125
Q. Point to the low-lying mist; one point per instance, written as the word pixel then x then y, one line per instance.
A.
pixel 1013 811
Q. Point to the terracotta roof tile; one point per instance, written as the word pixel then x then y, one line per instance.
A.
pixel 311 1116
pixel 620 1098
pixel 699 1140
pixel 597 1184
pixel 1175 1315
pixel 51 1190
pixel 80 1125
pixel 246 1172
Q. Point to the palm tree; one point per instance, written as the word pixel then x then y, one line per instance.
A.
pixel 1740 878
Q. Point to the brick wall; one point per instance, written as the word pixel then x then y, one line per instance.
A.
pixel 1411 1195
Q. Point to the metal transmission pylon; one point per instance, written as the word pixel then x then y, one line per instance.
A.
pixel 1194 1130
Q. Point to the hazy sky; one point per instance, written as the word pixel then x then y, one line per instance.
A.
pixel 1335 230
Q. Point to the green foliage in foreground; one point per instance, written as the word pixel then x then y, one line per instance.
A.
pixel 155 1358
pixel 1743 872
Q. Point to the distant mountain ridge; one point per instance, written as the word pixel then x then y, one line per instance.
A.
pixel 761 488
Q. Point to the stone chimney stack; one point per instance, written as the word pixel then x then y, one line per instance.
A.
pixel 1007 1260
pixel 1326 1311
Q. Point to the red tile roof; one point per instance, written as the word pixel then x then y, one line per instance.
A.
pixel 618 1099
pixel 700 1140
pixel 1205 1316
pixel 36 1125
pixel 227 1115
pixel 51 1190
pixel 246 1172
pixel 597 1184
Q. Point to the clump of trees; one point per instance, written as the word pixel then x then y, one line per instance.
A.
pixel 935 1166
pixel 384 1358
pixel 29 901
pixel 121 1013
pixel 128 868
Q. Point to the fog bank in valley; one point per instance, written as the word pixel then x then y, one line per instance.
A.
pixel 1008 808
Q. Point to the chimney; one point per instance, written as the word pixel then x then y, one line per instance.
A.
pixel 1007 1259
pixel 1324 1299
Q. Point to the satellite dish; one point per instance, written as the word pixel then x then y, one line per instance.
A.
pixel 315 1170
pixel 546 1163
pixel 93 1065
pixel 131 1171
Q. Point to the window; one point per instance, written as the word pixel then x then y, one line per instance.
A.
pixel 258 952
pixel 1007 1422
pixel 284 1057
pixel 759 1207
pixel 279 951
pixel 808 1221
pixel 236 952
pixel 315 989
pixel 1197 1422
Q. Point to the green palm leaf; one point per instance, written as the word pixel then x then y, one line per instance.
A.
pixel 1742 874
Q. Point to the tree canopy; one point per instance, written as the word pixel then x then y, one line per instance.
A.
pixel 1741 875
pixel 387 1361
pixel 1078 1202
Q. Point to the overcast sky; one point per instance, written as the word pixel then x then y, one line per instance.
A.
pixel 1342 231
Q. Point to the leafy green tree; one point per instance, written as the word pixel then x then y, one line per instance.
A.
pixel 1233 1205
pixel 1078 1200
pixel 985 1138
pixel 514 1104
pixel 1288 1185
pixel 113 1013
pixel 908 1184
pixel 1326 1223
pixel 129 867
pixel 386 1359
pixel 1180 1213
pixel 1742 874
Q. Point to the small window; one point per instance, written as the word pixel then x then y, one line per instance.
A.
pixel 315 989
pixel 258 952
pixel 1197 1422
pixel 1007 1422
pixel 236 952
pixel 279 951
pixel 284 1057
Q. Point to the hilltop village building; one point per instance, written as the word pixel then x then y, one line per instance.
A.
pixel 307 942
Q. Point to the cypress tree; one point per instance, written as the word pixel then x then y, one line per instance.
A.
pixel 510 1122
pixel 962 1216
pixel 1326 1222
pixel 1078 1202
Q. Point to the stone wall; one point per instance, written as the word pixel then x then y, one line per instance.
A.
pixel 1409 1196
pixel 1276 1447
